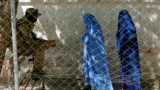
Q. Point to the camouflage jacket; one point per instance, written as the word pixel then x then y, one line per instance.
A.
pixel 25 43
pixel 24 28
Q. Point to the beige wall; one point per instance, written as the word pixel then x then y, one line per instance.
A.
pixel 64 1
pixel 63 22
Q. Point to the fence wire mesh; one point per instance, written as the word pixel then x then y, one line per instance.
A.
pixel 50 48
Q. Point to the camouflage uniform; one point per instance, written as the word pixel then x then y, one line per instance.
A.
pixel 28 44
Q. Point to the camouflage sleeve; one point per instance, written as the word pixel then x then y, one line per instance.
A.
pixel 25 32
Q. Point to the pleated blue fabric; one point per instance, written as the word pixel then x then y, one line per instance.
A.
pixel 127 47
pixel 95 64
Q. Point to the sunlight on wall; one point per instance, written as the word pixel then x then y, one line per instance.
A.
pixel 49 0
pixel 154 36
pixel 158 56
pixel 58 33
pixel 159 62
pixel 137 24
pixel 153 17
pixel 72 0
pixel 56 7
pixel 148 0
pixel 144 29
pixel 24 0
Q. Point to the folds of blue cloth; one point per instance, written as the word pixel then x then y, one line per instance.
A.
pixel 127 47
pixel 95 64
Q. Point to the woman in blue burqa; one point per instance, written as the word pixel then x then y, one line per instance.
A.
pixel 127 47
pixel 95 63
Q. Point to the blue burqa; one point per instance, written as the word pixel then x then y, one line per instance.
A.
pixel 127 47
pixel 95 63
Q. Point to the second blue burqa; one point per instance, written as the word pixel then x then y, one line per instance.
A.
pixel 95 63
pixel 127 47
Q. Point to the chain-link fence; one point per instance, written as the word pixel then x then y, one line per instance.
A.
pixel 50 46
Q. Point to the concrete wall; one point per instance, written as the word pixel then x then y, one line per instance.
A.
pixel 63 21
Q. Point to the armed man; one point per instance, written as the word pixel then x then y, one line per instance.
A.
pixel 29 44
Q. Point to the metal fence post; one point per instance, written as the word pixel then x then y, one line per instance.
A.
pixel 14 42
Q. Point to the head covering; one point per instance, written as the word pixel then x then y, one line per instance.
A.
pixel 95 62
pixel 92 27
pixel 127 48
pixel 32 14
pixel 33 11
